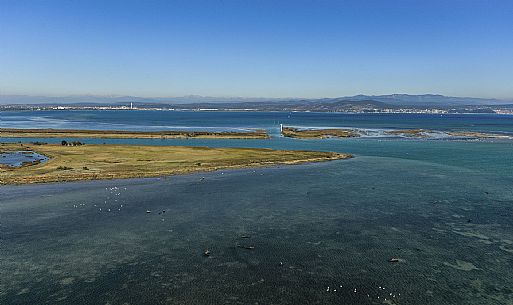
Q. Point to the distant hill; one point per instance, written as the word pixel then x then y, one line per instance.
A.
pixel 428 100
pixel 106 99
pixel 349 103
pixel 334 105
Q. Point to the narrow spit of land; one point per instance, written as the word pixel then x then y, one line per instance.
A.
pixel 91 162
pixel 292 132
pixel 424 133
pixel 123 134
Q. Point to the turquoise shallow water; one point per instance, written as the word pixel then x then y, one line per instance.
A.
pixel 322 233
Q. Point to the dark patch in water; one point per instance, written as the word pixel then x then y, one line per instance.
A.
pixel 94 243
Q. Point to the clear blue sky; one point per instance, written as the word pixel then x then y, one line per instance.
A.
pixel 257 48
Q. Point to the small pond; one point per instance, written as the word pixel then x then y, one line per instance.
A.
pixel 18 158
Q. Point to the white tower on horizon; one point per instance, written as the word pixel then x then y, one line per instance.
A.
pixel 131 105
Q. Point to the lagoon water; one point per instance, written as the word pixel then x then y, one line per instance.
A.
pixel 322 233
pixel 18 158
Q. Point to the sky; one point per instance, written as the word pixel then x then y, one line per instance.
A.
pixel 257 48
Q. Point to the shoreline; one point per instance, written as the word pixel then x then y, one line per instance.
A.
pixel 107 162
pixel 39 109
pixel 418 133
pixel 291 132
pixel 126 134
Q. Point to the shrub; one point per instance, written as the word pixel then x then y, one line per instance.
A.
pixel 63 168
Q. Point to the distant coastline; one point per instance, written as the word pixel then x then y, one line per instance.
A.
pixel 502 110
pixel 393 103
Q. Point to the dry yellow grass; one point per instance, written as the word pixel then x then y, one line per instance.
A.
pixel 479 135
pixel 122 134
pixel 318 133
pixel 90 162
pixel 418 133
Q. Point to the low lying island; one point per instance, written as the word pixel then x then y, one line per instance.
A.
pixel 126 134
pixel 97 161
pixel 292 132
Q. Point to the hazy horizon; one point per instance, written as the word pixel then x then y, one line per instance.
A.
pixel 226 96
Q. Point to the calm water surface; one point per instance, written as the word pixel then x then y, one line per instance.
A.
pixel 18 158
pixel 175 120
pixel 322 233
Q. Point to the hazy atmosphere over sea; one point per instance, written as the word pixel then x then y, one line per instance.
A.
pixel 320 232
pixel 256 152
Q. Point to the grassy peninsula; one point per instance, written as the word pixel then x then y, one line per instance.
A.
pixel 91 162
pixel 123 134
pixel 318 133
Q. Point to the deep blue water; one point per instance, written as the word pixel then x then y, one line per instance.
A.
pixel 160 120
pixel 323 233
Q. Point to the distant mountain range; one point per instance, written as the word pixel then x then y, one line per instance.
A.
pixel 402 103
pixel 429 100
pixel 114 99
pixel 379 100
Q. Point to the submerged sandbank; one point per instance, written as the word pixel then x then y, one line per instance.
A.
pixel 321 133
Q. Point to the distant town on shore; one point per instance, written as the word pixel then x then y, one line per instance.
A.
pixel 395 103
